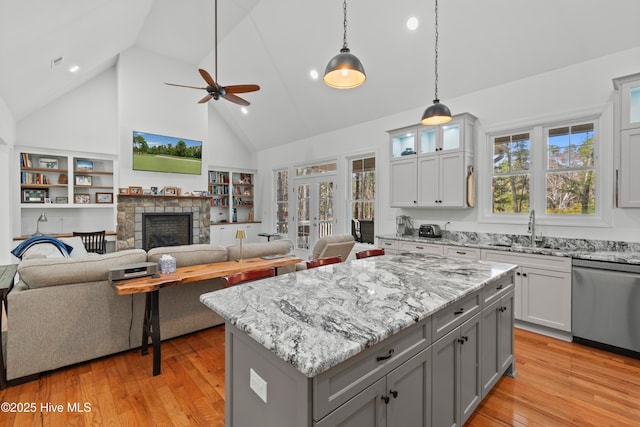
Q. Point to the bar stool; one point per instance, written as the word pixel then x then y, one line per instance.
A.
pixel 93 241
pixel 324 261
pixel 247 276
pixel 370 253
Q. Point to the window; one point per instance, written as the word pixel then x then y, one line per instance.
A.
pixel 570 175
pixel 549 168
pixel 363 188
pixel 282 201
pixel 511 174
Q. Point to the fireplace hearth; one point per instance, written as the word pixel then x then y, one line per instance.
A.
pixel 135 211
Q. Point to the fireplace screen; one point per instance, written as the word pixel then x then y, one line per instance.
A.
pixel 166 229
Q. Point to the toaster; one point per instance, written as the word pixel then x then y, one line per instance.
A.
pixel 429 230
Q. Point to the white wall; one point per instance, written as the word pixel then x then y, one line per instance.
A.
pixel 146 104
pixel 558 93
pixel 7 140
pixel 98 118
pixel 81 121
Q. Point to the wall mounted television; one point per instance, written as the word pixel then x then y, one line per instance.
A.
pixel 159 153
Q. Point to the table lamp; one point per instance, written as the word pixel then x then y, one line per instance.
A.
pixel 41 218
pixel 240 235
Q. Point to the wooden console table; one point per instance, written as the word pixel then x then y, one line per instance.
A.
pixel 150 286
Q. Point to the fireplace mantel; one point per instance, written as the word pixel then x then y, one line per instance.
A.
pixel 131 207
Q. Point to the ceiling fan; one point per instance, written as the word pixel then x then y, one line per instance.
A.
pixel 214 90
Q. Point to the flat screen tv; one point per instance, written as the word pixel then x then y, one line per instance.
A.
pixel 159 153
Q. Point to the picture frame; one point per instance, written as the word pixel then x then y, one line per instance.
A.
pixel 148 192
pixel 62 200
pixel 123 190
pixel 81 198
pixel 135 190
pixel 47 200
pixel 47 163
pixel 34 196
pixel 83 180
pixel 170 191
pixel 84 165
pixel 154 190
pixel 104 197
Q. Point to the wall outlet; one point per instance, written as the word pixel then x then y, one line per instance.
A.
pixel 258 385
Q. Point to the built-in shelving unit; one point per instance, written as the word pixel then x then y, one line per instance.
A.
pixel 232 198
pixel 62 181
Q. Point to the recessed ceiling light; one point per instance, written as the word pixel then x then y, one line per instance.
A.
pixel 314 74
pixel 74 68
pixel 244 110
pixel 412 23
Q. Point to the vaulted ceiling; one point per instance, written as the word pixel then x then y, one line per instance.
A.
pixel 276 43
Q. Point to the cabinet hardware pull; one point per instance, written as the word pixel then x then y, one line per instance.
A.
pixel 385 399
pixel 461 253
pixel 518 273
pixel 524 274
pixel 460 311
pixel 463 339
pixel 419 247
pixel 394 393
pixel 499 287
pixel 388 356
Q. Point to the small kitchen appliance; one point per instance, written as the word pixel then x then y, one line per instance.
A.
pixel 429 230
pixel 403 226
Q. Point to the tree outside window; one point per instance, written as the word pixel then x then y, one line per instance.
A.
pixel 511 174
pixel 282 201
pixel 570 176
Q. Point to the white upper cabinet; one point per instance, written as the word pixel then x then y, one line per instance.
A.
pixel 429 164
pixel 629 88
pixel 628 176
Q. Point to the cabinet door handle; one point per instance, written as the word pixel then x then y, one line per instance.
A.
pixel 419 247
pixel 524 274
pixel 463 339
pixel 499 287
pixel 394 393
pixel 388 356
pixel 460 311
pixel 518 273
pixel 461 252
pixel 385 399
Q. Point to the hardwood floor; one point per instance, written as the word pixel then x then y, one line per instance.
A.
pixel 558 384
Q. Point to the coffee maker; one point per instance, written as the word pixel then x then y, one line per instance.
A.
pixel 403 226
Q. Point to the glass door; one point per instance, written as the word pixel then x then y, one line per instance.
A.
pixel 314 216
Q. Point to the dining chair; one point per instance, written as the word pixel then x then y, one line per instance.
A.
pixel 93 241
pixel 324 261
pixel 370 253
pixel 247 276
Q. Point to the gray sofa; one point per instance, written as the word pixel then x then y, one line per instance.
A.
pixel 63 311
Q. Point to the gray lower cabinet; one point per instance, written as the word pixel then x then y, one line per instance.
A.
pixel 401 398
pixel 456 390
pixel 497 339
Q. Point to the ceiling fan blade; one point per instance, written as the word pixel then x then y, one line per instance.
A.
pixel 205 99
pixel 207 78
pixel 241 88
pixel 236 99
pixel 192 87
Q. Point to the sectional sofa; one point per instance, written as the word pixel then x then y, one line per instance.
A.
pixel 63 311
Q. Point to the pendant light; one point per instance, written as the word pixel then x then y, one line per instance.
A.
pixel 344 71
pixel 437 113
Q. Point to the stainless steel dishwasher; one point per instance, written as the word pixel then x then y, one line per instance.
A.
pixel 606 306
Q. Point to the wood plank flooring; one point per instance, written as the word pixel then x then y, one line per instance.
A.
pixel 558 384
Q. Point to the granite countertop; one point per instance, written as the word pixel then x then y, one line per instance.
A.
pixel 314 319
pixel 618 253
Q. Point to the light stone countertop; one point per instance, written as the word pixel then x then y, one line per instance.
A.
pixel 315 319
pixel 578 249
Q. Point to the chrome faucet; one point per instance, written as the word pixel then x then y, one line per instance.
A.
pixel 532 228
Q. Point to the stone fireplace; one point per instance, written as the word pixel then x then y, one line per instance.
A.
pixel 136 213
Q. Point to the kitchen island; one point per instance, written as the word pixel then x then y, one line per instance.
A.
pixel 365 342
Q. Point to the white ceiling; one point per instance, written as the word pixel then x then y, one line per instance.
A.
pixel 275 43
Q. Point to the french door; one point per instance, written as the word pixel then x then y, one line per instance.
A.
pixel 314 211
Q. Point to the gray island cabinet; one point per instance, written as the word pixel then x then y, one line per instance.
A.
pixel 397 340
